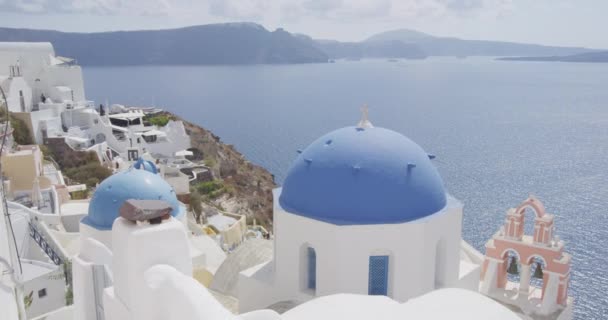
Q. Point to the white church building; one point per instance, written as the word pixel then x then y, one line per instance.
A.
pixel 362 210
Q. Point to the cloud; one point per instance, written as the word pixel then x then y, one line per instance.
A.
pixel 463 5
pixel 95 7
pixel 260 10
pixel 242 9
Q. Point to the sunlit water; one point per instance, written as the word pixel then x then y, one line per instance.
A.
pixel 500 130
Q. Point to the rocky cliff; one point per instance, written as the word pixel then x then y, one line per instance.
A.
pixel 246 187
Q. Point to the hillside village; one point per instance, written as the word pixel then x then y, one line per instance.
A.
pixel 116 212
pixel 59 147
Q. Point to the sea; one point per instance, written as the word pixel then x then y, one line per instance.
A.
pixel 501 131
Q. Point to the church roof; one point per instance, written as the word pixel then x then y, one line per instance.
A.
pixel 363 175
pixel 120 187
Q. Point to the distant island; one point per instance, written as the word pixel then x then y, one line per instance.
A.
pixel 250 43
pixel 213 44
pixel 590 57
pixel 447 46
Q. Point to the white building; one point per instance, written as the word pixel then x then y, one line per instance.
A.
pixel 18 92
pixel 125 133
pixel 151 279
pixel 363 228
pixel 364 211
pixel 39 270
pixel 55 77
pixel 47 92
pixel 134 268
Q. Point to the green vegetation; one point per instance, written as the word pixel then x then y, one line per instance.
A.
pixel 211 189
pixel 46 152
pixel 90 174
pixel 160 120
pixel 80 195
pixel 196 206
pixel 81 167
pixel 69 293
pixel 21 133
pixel 75 159
pixel 28 299
pixel 69 296
pixel 209 162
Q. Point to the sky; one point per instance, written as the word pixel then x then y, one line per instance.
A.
pixel 551 22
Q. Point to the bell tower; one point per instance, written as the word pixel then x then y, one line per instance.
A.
pixel 514 260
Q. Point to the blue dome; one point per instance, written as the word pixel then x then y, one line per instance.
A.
pixel 130 184
pixel 145 165
pixel 355 176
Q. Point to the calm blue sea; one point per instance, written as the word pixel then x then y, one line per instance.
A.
pixel 500 130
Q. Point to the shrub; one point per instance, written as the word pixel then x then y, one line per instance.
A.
pixel 158 120
pixel 79 195
pixel 209 162
pixel 46 152
pixel 21 133
pixel 209 187
pixel 196 206
pixel 90 174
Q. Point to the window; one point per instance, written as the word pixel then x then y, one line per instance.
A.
pixel 150 139
pixel 312 269
pixel 378 275
pixel 119 122
pixel 42 293
pixel 132 155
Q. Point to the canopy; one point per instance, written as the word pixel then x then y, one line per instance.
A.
pixel 154 133
pixel 183 153
pixel 119 128
pixel 127 115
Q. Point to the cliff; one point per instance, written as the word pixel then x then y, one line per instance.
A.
pixel 246 187
pixel 213 44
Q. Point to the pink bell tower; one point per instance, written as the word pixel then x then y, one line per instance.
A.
pixel 512 251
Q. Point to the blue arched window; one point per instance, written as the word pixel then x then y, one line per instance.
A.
pixel 378 275
pixel 312 269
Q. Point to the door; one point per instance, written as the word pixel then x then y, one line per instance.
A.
pixel 378 275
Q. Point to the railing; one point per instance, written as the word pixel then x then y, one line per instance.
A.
pixel 50 247
pixel 44 245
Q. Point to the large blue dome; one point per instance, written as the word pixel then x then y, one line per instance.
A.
pixel 130 184
pixel 355 176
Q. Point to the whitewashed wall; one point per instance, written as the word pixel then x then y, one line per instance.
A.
pixel 342 254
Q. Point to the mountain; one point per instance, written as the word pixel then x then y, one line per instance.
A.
pixel 598 57
pixel 405 35
pixel 380 49
pixel 250 43
pixel 229 43
pixel 444 46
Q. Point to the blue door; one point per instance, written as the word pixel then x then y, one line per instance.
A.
pixel 378 275
pixel 312 269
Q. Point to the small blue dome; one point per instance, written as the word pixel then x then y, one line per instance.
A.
pixel 120 187
pixel 145 165
pixel 355 176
